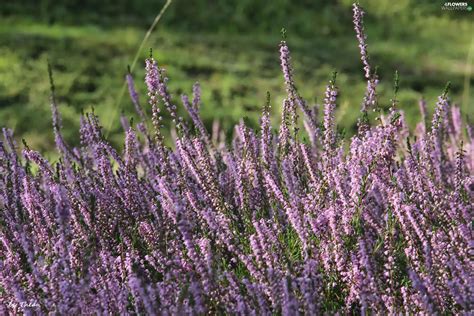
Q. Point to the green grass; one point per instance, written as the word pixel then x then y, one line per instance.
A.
pixel 235 70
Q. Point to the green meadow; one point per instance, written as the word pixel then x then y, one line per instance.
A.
pixel 231 48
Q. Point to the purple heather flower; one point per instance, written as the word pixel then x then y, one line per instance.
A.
pixel 361 37
pixel 134 95
pixel 329 109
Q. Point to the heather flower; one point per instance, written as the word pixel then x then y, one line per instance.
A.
pixel 370 97
pixel 194 114
pixel 361 37
pixel 286 66
pixel 134 95
pixel 329 109
pixel 196 96
pixel 293 97
pixel 266 137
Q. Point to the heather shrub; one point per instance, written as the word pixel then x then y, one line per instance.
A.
pixel 298 221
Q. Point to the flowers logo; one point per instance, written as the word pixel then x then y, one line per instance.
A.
pixel 456 6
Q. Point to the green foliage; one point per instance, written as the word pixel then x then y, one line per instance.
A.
pixel 230 47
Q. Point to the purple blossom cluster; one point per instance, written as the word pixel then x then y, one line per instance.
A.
pixel 264 223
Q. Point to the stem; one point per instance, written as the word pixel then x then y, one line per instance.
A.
pixel 135 59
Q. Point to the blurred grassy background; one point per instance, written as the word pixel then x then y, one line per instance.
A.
pixel 231 48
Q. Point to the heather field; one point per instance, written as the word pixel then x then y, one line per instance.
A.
pixel 357 203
